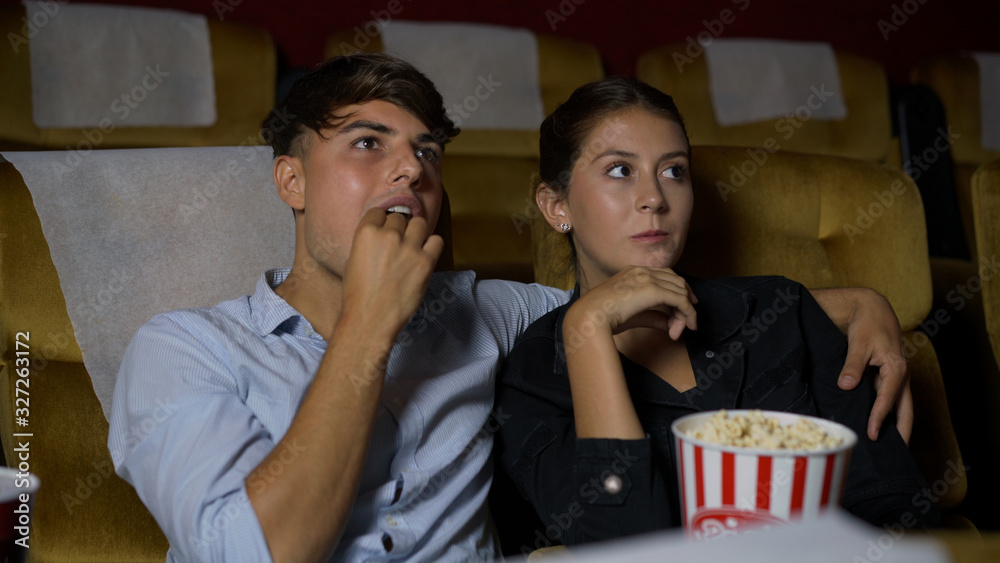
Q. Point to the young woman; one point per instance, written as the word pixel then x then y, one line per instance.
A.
pixel 593 386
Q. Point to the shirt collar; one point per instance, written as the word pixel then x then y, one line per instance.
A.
pixel 269 313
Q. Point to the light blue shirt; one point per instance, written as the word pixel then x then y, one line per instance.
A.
pixel 204 395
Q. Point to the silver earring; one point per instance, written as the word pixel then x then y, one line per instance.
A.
pixel 565 227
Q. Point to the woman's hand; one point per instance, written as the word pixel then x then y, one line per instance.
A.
pixel 640 297
pixel 636 297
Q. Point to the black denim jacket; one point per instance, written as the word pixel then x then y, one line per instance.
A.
pixel 761 343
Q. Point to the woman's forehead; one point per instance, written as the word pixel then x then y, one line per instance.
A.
pixel 630 131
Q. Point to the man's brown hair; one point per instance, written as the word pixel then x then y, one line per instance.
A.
pixel 314 99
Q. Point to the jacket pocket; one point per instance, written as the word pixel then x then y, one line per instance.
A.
pixel 782 385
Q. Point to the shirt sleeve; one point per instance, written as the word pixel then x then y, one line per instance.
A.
pixel 582 489
pixel 182 436
pixel 883 479
pixel 509 307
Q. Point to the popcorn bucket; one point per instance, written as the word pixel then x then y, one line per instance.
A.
pixel 727 490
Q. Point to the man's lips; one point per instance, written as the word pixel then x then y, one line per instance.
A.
pixel 650 236
pixel 404 201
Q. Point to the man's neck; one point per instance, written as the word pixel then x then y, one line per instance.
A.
pixel 315 293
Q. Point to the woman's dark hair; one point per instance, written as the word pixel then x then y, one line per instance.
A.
pixel 564 133
pixel 314 99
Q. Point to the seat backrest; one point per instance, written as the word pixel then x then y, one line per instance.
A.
pixel 244 63
pixel 986 208
pixel 865 134
pixel 822 221
pixel 185 212
pixel 825 222
pixel 955 81
pixel 489 173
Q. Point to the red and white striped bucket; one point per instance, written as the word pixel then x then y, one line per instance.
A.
pixel 726 489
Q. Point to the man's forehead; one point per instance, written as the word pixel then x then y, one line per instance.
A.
pixel 386 114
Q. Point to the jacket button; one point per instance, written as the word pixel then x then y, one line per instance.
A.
pixel 710 354
pixel 613 485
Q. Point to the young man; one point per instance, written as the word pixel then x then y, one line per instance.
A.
pixel 344 409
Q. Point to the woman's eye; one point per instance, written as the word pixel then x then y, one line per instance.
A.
pixel 428 154
pixel 620 171
pixel 675 172
pixel 367 143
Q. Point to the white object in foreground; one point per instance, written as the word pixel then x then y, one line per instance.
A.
pixel 836 536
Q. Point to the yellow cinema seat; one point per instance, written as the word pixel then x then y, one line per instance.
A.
pixel 865 134
pixel 789 219
pixel 971 369
pixel 488 173
pixel 85 513
pixel 244 63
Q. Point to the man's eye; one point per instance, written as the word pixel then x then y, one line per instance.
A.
pixel 619 171
pixel 428 154
pixel 367 143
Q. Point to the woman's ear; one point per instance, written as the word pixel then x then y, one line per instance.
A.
pixel 552 206
pixel 289 177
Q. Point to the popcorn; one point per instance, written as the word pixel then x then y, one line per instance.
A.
pixel 754 430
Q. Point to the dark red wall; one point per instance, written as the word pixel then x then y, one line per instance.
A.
pixel 622 30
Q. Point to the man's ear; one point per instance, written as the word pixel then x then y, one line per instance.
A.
pixel 553 206
pixel 289 177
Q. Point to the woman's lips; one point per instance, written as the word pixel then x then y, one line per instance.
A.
pixel 650 236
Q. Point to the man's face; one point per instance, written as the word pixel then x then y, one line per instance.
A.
pixel 380 156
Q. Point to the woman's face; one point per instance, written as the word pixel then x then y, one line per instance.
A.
pixel 630 197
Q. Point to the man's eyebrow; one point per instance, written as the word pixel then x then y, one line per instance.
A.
pixel 383 129
pixel 427 138
pixel 365 124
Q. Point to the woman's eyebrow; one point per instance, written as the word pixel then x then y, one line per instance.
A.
pixel 675 154
pixel 615 152
pixel 626 154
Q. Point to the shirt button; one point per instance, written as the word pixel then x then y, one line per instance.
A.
pixel 710 354
pixel 613 485
pixel 390 520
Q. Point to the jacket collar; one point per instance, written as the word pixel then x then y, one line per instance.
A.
pixel 723 308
